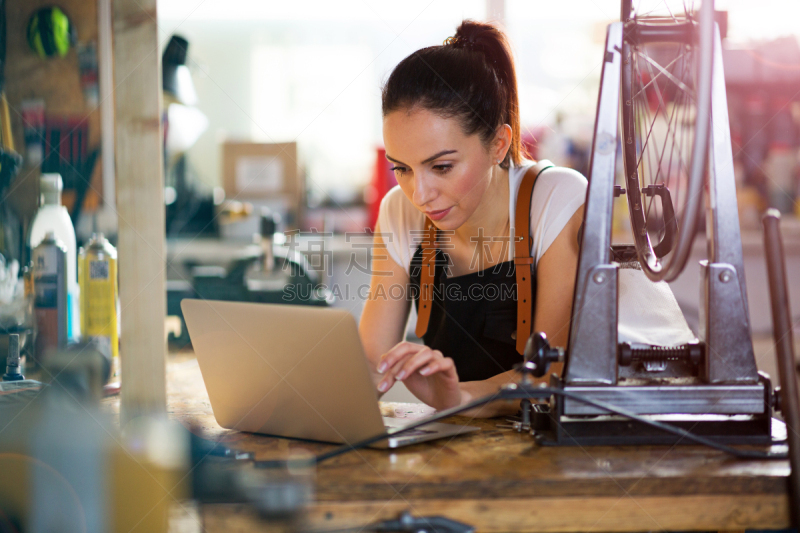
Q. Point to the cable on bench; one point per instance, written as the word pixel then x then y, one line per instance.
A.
pixel 536 392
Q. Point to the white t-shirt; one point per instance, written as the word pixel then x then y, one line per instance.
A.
pixel 648 312
pixel 557 194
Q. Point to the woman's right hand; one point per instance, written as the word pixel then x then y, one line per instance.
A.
pixel 427 374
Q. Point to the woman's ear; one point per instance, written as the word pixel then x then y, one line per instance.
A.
pixel 501 142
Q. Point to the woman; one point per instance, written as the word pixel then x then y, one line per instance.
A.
pixel 451 129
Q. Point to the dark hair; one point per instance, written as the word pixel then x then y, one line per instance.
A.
pixel 470 77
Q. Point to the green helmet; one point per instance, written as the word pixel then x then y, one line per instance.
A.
pixel 50 32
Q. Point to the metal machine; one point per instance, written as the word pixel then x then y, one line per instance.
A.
pixel 662 73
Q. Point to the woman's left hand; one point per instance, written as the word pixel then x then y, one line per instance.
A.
pixel 430 376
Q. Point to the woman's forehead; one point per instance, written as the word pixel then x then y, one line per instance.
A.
pixel 418 133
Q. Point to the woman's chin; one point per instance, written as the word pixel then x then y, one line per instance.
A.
pixel 448 223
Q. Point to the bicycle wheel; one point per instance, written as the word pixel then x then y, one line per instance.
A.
pixel 665 108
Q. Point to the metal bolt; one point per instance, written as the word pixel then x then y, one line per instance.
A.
pixel 725 276
pixel 599 278
pixel 627 102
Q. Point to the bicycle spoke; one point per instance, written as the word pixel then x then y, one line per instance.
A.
pixel 661 102
pixel 651 155
pixel 655 150
pixel 686 106
pixel 666 4
pixel 650 131
pixel 657 76
pixel 646 175
pixel 675 80
pixel 659 166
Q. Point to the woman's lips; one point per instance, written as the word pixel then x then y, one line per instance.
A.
pixel 438 215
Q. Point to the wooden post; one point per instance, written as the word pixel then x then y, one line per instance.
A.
pixel 140 207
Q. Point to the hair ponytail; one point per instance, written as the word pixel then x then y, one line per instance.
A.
pixel 471 77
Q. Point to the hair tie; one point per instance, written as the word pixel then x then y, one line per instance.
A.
pixel 457 41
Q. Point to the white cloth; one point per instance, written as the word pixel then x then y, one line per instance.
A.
pixel 558 193
pixel 648 312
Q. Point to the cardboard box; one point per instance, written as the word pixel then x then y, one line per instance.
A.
pixel 263 171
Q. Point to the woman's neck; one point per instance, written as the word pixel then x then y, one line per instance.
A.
pixel 490 219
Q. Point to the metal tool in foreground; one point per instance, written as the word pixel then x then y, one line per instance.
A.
pixel 788 399
pixel 79 472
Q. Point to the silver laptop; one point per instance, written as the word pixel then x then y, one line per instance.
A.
pixel 292 371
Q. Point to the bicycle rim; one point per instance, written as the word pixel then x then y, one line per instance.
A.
pixel 665 108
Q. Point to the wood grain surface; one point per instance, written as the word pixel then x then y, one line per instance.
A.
pixel 499 480
pixel 140 197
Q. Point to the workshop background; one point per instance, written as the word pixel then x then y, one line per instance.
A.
pixel 261 173
pixel 259 71
pixel 277 107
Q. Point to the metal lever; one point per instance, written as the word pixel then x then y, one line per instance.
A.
pixel 539 352
pixel 538 358
pixel 782 332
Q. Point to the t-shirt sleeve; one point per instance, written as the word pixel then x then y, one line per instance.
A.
pixel 557 194
pixel 398 220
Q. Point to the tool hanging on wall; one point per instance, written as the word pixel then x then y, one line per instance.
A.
pixel 67 152
pixel 10 161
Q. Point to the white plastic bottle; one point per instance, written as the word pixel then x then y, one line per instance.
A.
pixel 52 216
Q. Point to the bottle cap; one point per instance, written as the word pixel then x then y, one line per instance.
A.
pixel 50 187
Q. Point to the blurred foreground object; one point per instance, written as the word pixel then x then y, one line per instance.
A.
pixel 788 399
pixel 67 467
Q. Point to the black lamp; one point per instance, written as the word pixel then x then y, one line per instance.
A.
pixel 176 78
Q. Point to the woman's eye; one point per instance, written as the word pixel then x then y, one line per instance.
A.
pixel 398 170
pixel 442 169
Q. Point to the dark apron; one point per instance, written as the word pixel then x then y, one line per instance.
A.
pixel 473 318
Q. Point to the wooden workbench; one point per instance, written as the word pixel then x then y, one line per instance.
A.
pixel 499 480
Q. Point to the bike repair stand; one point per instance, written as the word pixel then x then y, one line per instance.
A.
pixel 712 387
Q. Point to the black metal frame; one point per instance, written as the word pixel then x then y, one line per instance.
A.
pixel 552 428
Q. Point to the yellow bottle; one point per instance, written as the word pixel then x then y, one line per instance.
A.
pixel 97 275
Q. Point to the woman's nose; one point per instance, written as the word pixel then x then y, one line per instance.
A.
pixel 423 191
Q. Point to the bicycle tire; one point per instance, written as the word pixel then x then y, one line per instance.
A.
pixel 642 79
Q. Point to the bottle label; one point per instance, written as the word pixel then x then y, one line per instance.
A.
pixel 46 261
pixel 98 270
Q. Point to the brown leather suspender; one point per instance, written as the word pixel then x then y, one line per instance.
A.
pixel 523 263
pixel 429 246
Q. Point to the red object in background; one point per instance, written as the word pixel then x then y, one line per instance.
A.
pixel 66 144
pixel 382 181
pixel 531 139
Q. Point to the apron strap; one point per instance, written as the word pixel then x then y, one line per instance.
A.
pixel 427 271
pixel 523 262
